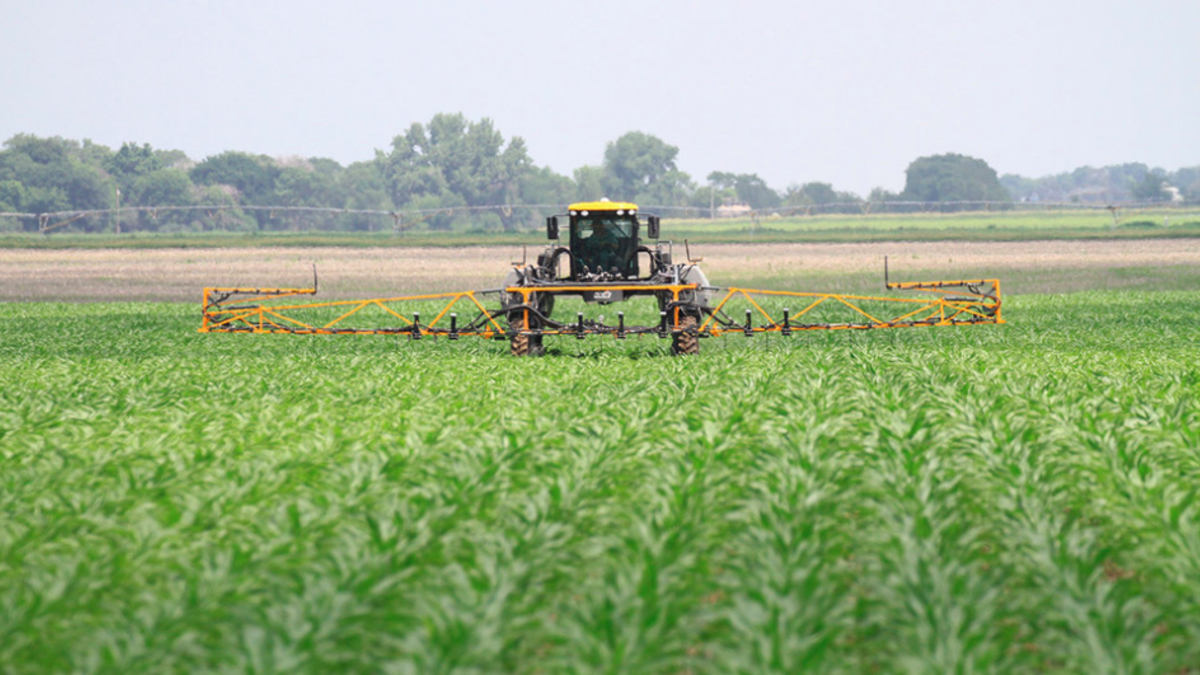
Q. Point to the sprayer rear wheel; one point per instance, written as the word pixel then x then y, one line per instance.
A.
pixel 688 340
pixel 521 344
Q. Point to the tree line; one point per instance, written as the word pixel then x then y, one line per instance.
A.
pixel 434 170
pixel 1108 184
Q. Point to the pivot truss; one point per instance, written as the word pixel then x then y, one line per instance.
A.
pixel 929 303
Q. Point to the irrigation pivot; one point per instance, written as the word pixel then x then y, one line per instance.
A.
pixel 605 260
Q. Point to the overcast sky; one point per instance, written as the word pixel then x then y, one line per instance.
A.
pixel 845 92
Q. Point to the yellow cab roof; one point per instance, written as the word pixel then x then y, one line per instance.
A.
pixel 602 206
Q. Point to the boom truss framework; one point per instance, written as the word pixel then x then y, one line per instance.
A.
pixel 934 303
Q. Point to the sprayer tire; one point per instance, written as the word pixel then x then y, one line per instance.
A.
pixel 519 345
pixel 524 345
pixel 686 342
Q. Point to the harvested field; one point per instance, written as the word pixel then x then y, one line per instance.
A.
pixel 179 274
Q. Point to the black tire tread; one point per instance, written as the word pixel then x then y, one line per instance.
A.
pixel 687 342
pixel 521 345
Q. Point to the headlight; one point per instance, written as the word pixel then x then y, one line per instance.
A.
pixel 583 213
pixel 620 212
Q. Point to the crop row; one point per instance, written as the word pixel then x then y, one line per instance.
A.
pixel 993 499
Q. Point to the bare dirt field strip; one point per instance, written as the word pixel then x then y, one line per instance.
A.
pixel 180 274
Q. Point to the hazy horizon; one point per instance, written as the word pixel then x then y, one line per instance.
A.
pixel 847 94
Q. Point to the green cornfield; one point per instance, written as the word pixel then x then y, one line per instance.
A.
pixel 996 499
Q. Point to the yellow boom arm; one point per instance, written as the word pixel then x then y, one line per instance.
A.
pixel 932 303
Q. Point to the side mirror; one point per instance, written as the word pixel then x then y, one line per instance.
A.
pixel 552 227
pixel 652 227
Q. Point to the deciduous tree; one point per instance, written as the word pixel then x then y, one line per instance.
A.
pixel 952 177
pixel 1151 188
pixel 641 167
pixel 455 160
pixel 253 176
pixel 748 187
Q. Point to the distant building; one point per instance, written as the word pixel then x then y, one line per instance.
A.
pixel 733 210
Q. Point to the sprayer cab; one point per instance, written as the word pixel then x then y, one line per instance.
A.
pixel 604 238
